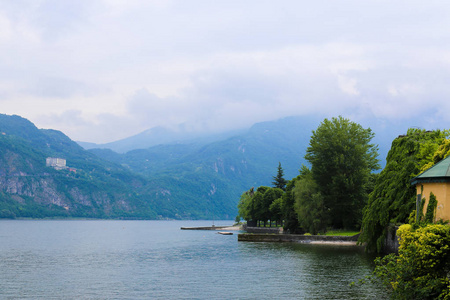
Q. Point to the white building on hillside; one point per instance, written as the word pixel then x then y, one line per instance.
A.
pixel 57 163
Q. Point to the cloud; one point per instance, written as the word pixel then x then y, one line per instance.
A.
pixel 60 88
pixel 102 70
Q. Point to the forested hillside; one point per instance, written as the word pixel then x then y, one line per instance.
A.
pixel 192 180
pixel 262 146
pixel 92 188
pixel 211 177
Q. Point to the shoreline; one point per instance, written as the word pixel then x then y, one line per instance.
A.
pixel 230 228
pixel 298 238
pixel 342 243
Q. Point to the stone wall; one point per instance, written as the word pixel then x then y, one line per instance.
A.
pixel 299 238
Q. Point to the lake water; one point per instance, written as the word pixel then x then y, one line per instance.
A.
pixel 156 260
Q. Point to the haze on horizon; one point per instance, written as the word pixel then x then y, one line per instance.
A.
pixel 104 70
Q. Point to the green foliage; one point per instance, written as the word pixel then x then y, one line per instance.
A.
pixel 276 212
pixel 422 204
pixel 263 205
pixel 288 208
pixel 431 209
pixel 393 198
pixel 262 208
pixel 341 233
pixel 246 206
pixel 421 268
pixel 312 214
pixel 279 181
pixel 269 197
pixel 342 159
pixel 262 201
pixel 442 152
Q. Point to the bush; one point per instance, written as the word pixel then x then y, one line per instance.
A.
pixel 421 268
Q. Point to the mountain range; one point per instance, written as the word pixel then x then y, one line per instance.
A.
pixel 176 177
pixel 160 136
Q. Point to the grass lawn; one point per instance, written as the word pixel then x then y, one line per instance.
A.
pixel 341 233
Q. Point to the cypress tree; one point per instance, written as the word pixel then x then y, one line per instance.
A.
pixel 279 181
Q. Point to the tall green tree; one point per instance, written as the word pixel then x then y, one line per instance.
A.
pixel 276 213
pixel 257 206
pixel 393 198
pixel 246 206
pixel 279 181
pixel 263 199
pixel 269 197
pixel 290 218
pixel 312 215
pixel 261 206
pixel 342 158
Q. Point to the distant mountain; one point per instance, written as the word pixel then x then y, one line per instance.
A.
pixel 212 177
pixel 266 144
pixel 159 136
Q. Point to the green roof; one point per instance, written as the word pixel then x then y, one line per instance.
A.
pixel 440 172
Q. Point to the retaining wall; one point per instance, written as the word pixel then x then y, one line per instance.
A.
pixel 297 238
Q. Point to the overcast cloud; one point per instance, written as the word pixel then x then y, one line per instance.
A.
pixel 103 70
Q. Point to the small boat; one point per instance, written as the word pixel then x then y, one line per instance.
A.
pixel 225 233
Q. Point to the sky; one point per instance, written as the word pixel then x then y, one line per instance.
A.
pixel 104 70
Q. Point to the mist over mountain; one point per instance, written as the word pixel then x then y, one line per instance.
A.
pixel 212 176
pixel 159 136
pixel 265 143
pixel 175 142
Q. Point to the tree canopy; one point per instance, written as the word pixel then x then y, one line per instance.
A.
pixel 311 212
pixel 342 158
pixel 290 217
pixel 261 205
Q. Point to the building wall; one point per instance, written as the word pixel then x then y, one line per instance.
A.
pixel 57 163
pixel 391 242
pixel 442 192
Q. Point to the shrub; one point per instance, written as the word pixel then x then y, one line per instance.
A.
pixel 421 268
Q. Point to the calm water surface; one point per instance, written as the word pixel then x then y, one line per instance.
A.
pixel 157 260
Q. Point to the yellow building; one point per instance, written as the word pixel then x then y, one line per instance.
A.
pixel 436 180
